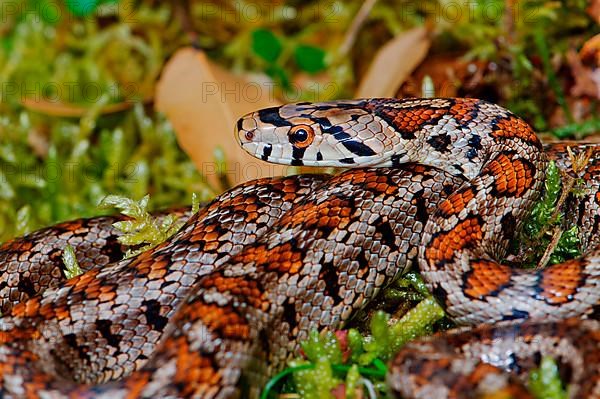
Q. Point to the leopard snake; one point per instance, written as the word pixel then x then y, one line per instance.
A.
pixel 441 184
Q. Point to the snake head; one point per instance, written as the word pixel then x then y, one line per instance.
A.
pixel 339 133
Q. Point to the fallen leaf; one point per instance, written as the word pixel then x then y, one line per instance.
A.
pixel 587 80
pixel 394 63
pixel 203 101
pixel 70 110
pixel 590 52
pixel 593 10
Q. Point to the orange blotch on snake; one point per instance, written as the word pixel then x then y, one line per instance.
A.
pixel 195 371
pixel 463 109
pixel 223 320
pixel 18 334
pixel 456 202
pixel 411 120
pixel 558 283
pixel 136 384
pixel 241 286
pixel 486 278
pixel 82 282
pixel 513 127
pixel 512 177
pixel 380 184
pixel 333 212
pixel 284 258
pixel 445 245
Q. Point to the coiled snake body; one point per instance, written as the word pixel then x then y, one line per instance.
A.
pixel 442 184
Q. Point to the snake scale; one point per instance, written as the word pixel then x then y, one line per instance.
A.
pixel 441 184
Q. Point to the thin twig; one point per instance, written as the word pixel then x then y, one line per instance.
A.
pixel 568 182
pixel 578 165
pixel 357 23
pixel 550 248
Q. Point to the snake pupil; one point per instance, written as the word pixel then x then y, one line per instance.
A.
pixel 300 135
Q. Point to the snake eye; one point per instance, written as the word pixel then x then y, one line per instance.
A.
pixel 249 135
pixel 301 136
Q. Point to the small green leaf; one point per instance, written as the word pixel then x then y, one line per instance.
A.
pixel 545 383
pixel 279 75
pixel 143 231
pixel 46 10
pixel 195 203
pixel 69 259
pixel 310 58
pixel 266 45
pixel 82 8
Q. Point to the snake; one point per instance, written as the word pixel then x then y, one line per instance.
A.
pixel 438 184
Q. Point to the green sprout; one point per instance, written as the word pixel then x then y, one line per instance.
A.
pixel 545 383
pixel 69 259
pixel 143 231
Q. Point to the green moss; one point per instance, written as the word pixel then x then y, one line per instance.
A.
pixel 330 362
pixel 545 383
pixel 55 168
pixel 537 229
pixel 77 168
pixel 143 231
pixel 72 268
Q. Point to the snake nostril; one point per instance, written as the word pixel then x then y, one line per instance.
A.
pixel 249 135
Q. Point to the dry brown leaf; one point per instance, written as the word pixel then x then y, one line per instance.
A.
pixel 590 52
pixel 203 102
pixel 586 79
pixel 593 10
pixel 69 110
pixel 394 63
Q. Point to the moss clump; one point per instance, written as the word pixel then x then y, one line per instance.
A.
pixel 545 383
pixel 143 231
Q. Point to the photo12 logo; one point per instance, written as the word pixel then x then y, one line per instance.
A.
pixel 71 172
pixel 253 12
pixel 54 11
pixel 66 92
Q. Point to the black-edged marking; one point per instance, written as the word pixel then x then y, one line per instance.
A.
pixel 358 148
pixel 272 116
pixel 323 122
pixel 297 156
pixel 264 341
pixel 268 148
pixel 103 327
pixel 153 316
pixel 509 224
pixel 475 146
pixel 26 285
pixel 240 124
pixel 397 160
pixel 516 315
pixel 385 233
pixel 513 364
pixel 288 314
pixel 363 262
pixel 595 315
pixel 448 189
pixel 440 294
pixel 71 341
pixel 420 202
pixel 334 106
pixel 354 146
pixel 329 276
pixel 113 250
pixel 440 142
